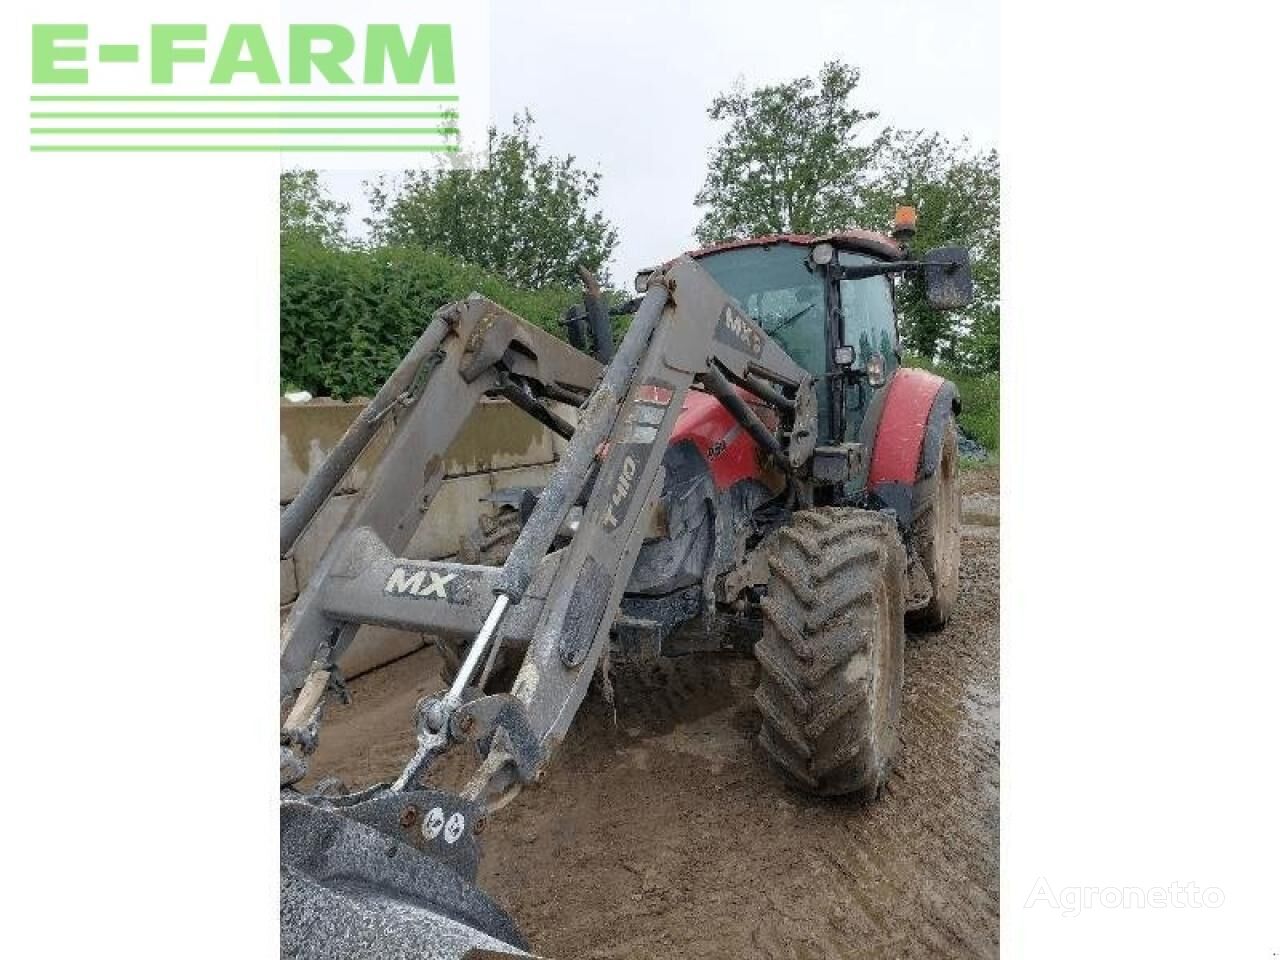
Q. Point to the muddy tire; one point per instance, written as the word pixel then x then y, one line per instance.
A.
pixel 830 693
pixel 487 545
pixel 935 534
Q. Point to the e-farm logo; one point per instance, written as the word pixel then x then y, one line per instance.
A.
pixel 241 87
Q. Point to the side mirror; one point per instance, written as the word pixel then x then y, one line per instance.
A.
pixel 948 278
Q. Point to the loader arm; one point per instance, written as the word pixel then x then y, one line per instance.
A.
pixel 470 348
pixel 686 333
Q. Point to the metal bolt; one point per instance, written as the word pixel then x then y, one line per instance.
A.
pixel 479 825
pixel 434 716
pixel 408 816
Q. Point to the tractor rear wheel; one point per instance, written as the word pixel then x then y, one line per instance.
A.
pixel 831 652
pixel 935 533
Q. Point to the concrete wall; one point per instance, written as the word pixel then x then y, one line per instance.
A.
pixel 498 447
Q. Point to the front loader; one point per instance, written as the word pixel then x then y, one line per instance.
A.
pixel 751 471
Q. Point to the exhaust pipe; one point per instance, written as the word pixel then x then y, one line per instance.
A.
pixel 597 315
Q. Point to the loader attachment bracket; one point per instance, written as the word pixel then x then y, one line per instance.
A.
pixel 479 720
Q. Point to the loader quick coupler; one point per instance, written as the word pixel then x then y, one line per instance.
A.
pixel 500 715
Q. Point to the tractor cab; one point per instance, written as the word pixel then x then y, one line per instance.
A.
pixel 829 302
pixel 843 331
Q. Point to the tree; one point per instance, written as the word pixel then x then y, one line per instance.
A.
pixel 957 194
pixel 791 160
pixel 794 159
pixel 524 217
pixel 308 213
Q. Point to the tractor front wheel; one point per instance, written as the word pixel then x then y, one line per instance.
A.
pixel 831 651
pixel 935 533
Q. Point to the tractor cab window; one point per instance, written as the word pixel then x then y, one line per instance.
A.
pixel 867 320
pixel 776 287
pixel 867 324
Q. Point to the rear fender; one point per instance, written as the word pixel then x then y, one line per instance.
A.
pixel 908 442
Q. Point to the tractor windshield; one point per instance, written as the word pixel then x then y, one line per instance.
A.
pixel 775 285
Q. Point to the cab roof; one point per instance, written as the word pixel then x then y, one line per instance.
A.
pixel 860 241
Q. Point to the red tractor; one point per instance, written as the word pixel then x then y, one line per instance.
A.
pixel 751 471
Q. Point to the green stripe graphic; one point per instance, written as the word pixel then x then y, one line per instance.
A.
pixel 329 107
pixel 245 98
pixel 235 148
pixel 242 130
pixel 218 115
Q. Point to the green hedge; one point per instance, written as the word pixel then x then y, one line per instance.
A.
pixel 348 316
pixel 979 400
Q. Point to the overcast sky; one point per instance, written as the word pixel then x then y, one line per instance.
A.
pixel 624 87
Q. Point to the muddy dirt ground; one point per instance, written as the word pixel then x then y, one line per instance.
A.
pixel 662 834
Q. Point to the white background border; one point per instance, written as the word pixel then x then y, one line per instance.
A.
pixel 1139 643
